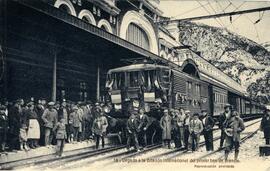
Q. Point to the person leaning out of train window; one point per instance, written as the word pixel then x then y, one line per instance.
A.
pixel 176 128
pixel 99 128
pixel 166 126
pixel 132 131
pixel 221 120
pixel 233 126
pixel 195 130
pixel 265 126
pixel 208 124
pixel 144 123
pixel 61 135
pixel 186 128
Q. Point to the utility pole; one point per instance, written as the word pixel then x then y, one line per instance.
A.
pixel 54 77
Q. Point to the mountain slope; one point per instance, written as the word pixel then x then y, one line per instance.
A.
pixel 244 60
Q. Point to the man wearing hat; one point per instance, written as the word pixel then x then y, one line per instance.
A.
pixel 14 117
pixel 186 128
pixel 63 113
pixel 222 119
pixel 166 126
pixel 99 129
pixel 195 130
pixel 50 118
pixel 39 109
pixel 75 122
pixel 233 126
pixel 208 124
pixel 3 127
pixel 132 130
pixel 144 123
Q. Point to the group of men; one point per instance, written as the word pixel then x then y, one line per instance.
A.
pixel 185 129
pixel 30 125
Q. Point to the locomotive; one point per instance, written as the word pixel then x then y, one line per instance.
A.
pixel 154 87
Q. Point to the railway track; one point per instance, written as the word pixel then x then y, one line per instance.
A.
pixel 51 160
pixel 179 152
pixel 248 136
pixel 120 157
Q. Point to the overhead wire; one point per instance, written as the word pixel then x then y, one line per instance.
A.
pixel 188 11
pixel 257 34
pixel 216 13
pixel 209 13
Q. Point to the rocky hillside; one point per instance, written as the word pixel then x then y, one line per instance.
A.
pixel 266 45
pixel 244 60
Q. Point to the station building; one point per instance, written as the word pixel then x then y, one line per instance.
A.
pixel 56 49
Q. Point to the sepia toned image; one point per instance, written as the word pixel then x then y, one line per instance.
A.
pixel 135 85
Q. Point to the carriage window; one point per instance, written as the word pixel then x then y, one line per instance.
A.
pixel 134 79
pixel 118 80
pixel 198 89
pixel 189 86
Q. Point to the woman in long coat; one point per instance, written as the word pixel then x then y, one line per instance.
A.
pixel 166 126
pixel 265 126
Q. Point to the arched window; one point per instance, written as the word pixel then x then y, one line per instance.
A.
pixel 137 36
pixel 105 25
pixel 65 8
pixel 103 28
pixel 87 16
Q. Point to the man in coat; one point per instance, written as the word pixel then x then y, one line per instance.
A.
pixel 144 123
pixel 14 117
pixel 50 118
pixel 3 127
pixel 63 114
pixel 222 119
pixel 265 126
pixel 176 128
pixel 75 119
pixel 99 129
pixel 181 123
pixel 132 131
pixel 166 126
pixel 186 128
pixel 195 130
pixel 88 120
pixel 233 126
pixel 208 124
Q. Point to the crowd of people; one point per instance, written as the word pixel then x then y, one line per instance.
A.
pixel 25 126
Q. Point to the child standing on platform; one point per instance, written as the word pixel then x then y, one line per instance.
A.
pixel 60 129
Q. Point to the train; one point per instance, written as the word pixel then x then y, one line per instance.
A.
pixel 157 86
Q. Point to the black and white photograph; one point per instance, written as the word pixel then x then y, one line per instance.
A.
pixel 132 85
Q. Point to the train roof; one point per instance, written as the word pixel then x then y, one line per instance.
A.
pixel 136 67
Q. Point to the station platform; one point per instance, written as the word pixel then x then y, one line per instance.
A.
pixel 69 148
